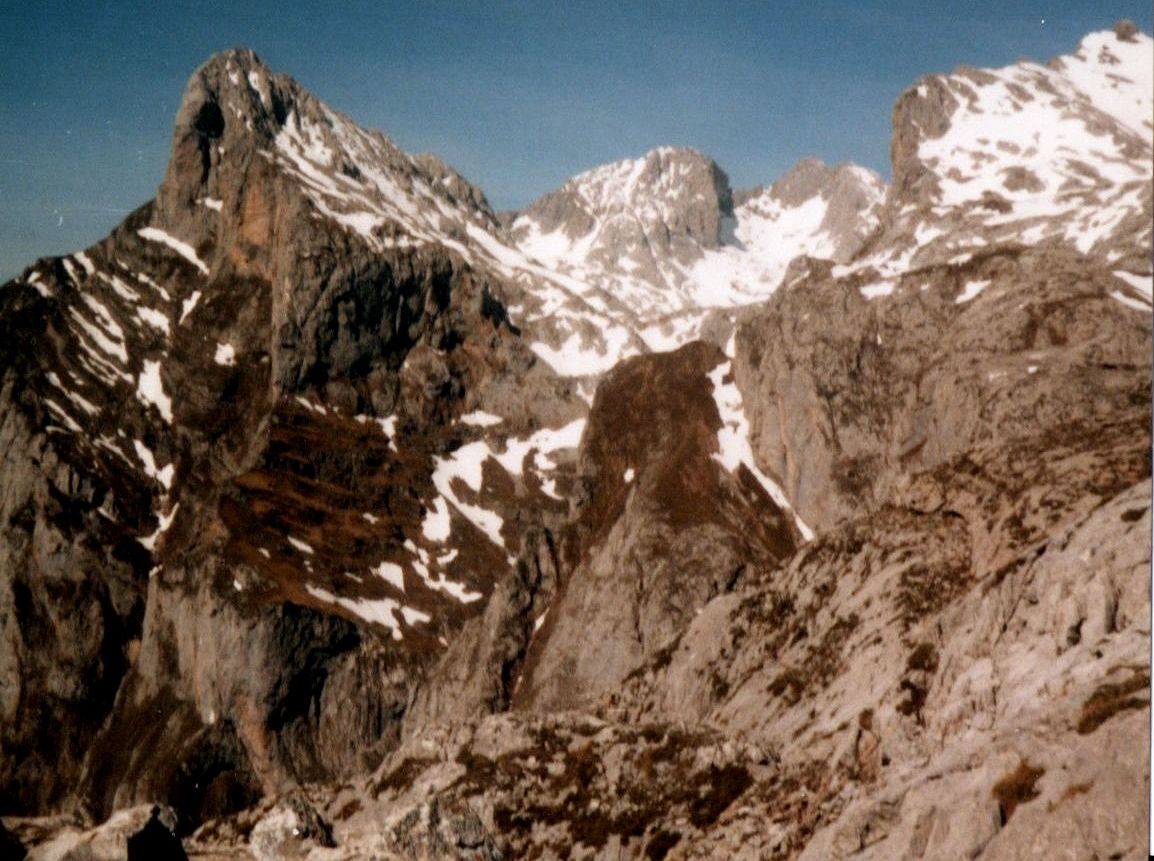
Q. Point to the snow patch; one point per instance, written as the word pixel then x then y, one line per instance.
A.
pixel 733 445
pixel 465 464
pixel 150 390
pixel 971 291
pixel 1142 283
pixel 436 524
pixel 481 419
pixel 319 409
pixel 148 459
pixel 77 399
pixel 1130 302
pixel 155 234
pixel 69 422
pixel 38 285
pixel 225 355
pixel 881 288
pixel 391 573
pixel 188 305
pixel 387 425
pixel 441 583
pixel 380 611
pixel 574 358
pixel 163 523
pixel 153 318
pixel 300 545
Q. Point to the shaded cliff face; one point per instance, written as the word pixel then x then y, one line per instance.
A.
pixel 242 398
pixel 850 395
pixel 672 512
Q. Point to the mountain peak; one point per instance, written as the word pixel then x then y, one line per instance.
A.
pixel 678 187
pixel 1035 152
pixel 242 130
pixel 230 87
pixel 811 176
pixel 232 104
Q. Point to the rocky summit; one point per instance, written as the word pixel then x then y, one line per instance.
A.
pixel 342 517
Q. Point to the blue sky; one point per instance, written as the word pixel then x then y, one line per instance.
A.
pixel 518 96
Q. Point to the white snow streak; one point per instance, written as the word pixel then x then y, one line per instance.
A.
pixel 155 234
pixel 733 445
pixel 971 291
pixel 300 545
pixel 481 419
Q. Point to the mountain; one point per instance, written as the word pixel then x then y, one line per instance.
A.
pixel 1054 155
pixel 248 434
pixel 344 517
pixel 664 235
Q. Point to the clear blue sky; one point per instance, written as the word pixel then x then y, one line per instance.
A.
pixel 518 96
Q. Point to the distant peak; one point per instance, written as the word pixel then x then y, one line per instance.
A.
pixel 1126 30
pixel 233 59
pixel 650 164
pixel 811 177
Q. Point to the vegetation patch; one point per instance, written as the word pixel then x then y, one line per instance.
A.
pixel 1134 514
pixel 1111 699
pixel 402 777
pixel 923 657
pixel 1017 788
pixel 927 589
pixel 722 786
pixel 1073 791
pixel 660 845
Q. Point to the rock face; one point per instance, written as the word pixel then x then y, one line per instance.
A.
pixel 1008 342
pixel 346 519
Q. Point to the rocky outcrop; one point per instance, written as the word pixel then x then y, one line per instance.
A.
pixel 971 166
pixel 661 528
pixel 951 645
pixel 540 787
pixel 848 395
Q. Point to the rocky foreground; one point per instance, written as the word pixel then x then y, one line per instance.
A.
pixel 345 518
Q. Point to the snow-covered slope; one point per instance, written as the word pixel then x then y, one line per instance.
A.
pixel 662 234
pixel 628 257
pixel 1028 154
